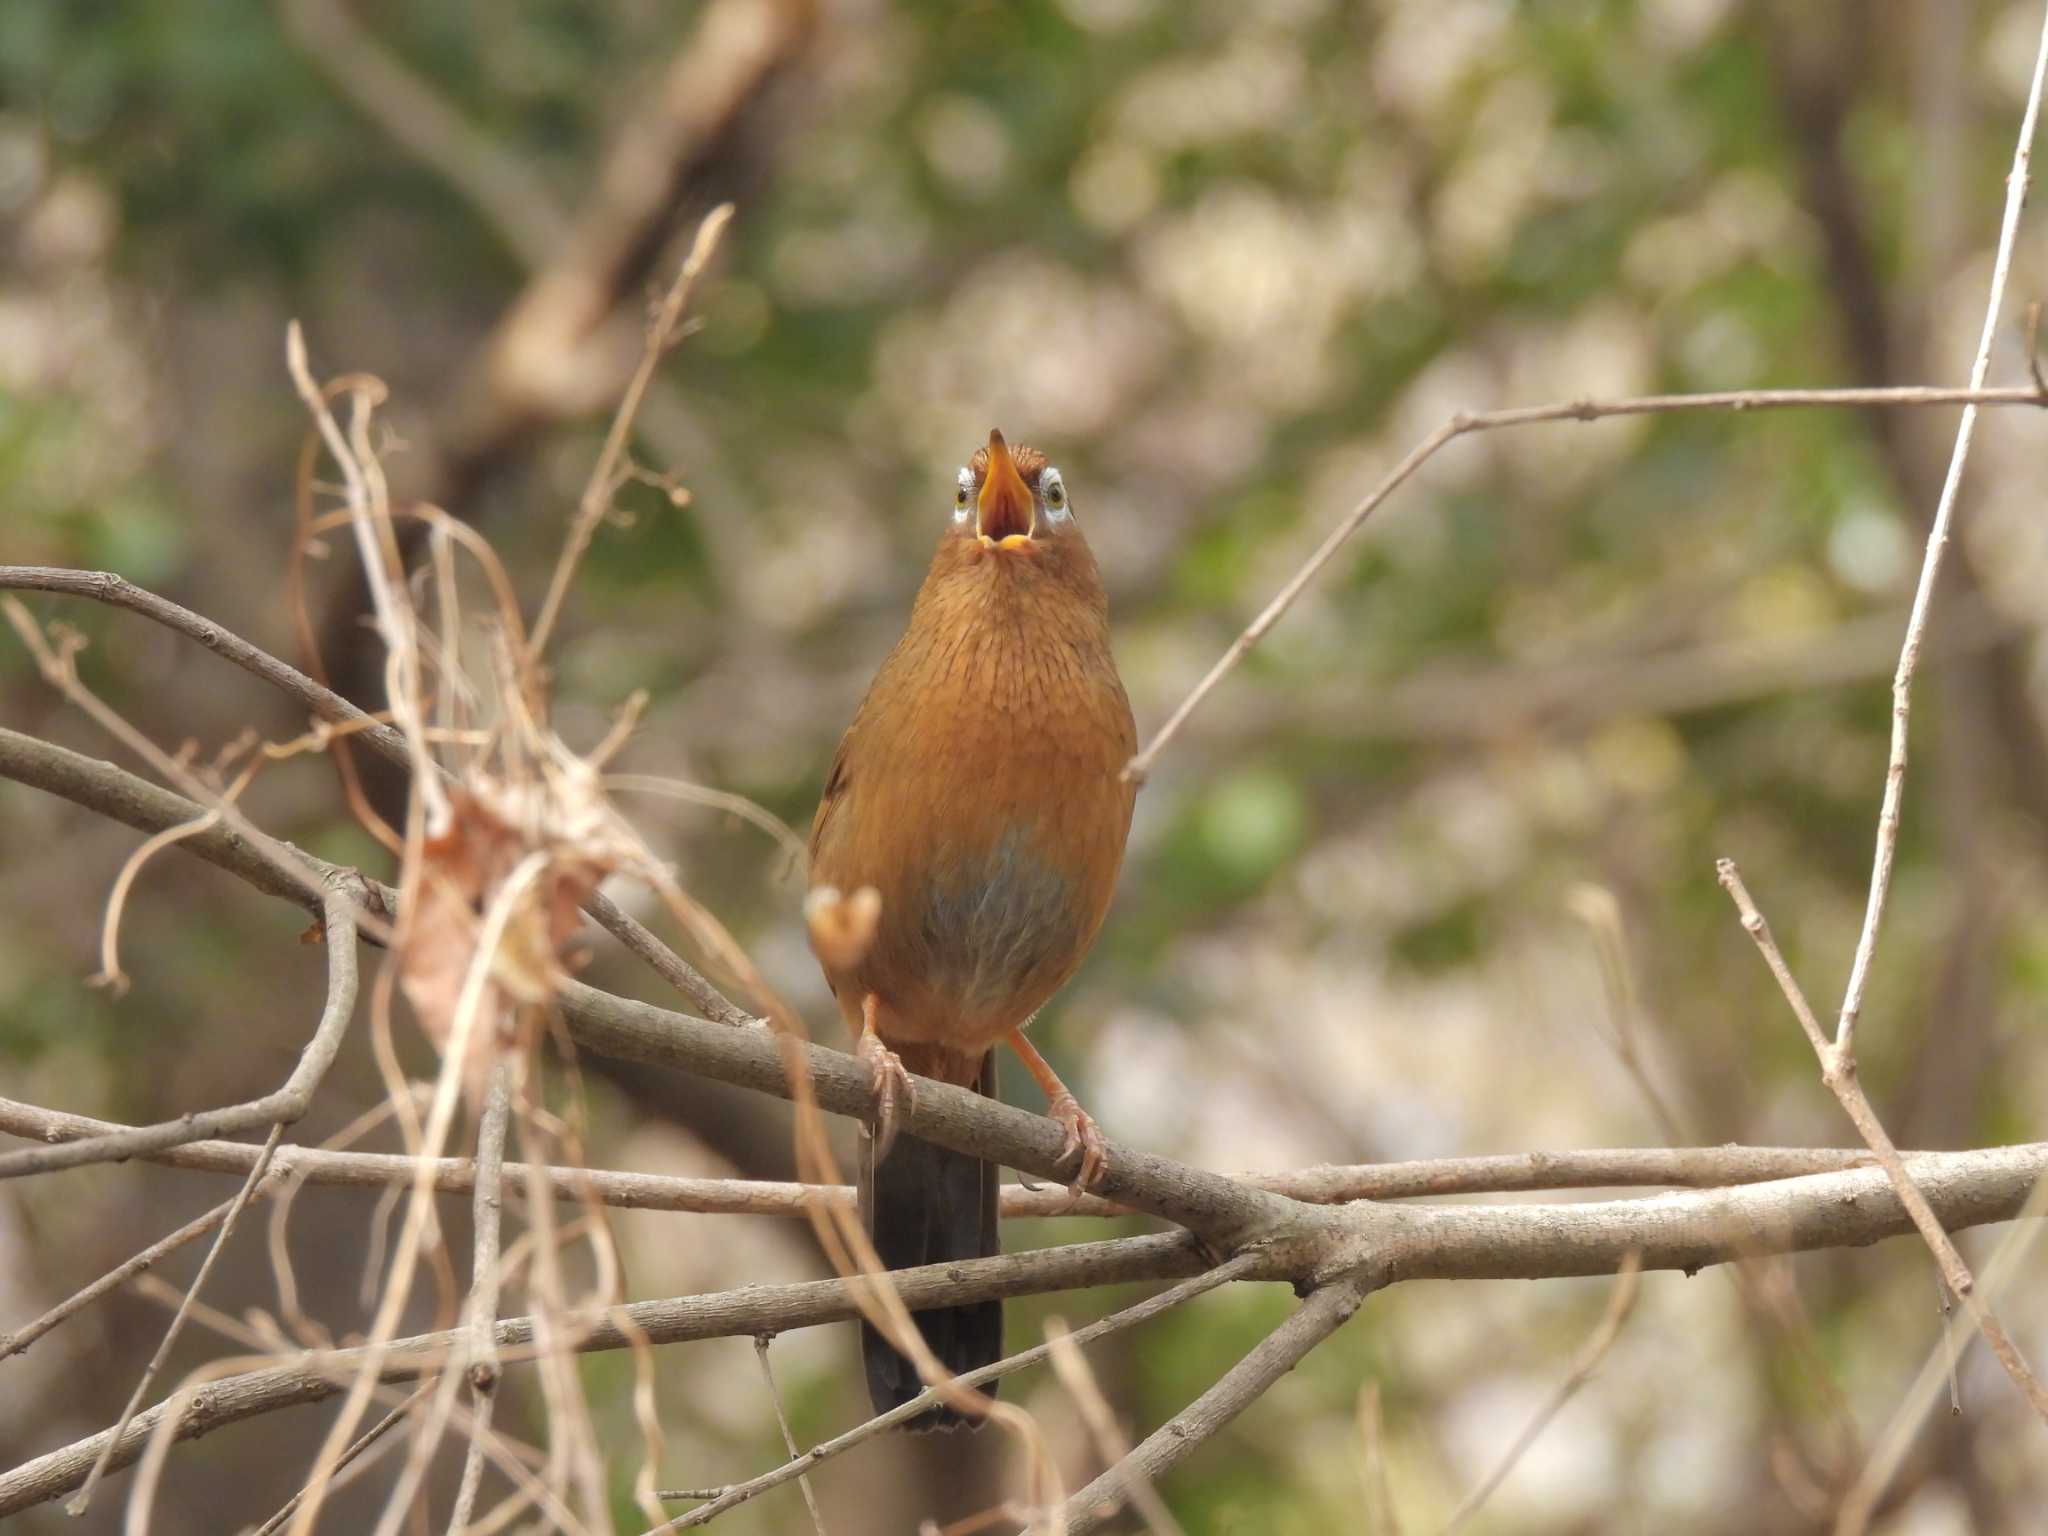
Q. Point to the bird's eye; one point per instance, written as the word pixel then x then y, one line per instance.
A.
pixel 962 499
pixel 1054 490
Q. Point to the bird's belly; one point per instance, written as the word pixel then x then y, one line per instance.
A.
pixel 996 933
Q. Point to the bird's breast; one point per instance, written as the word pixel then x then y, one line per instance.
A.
pixel 979 792
pixel 998 924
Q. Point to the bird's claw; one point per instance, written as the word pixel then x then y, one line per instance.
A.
pixel 891 1084
pixel 1084 1140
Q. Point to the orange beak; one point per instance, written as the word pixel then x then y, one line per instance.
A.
pixel 1006 510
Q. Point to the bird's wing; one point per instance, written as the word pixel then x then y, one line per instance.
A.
pixel 834 796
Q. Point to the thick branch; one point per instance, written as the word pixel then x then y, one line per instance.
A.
pixel 1220 1208
pixel 1686 1230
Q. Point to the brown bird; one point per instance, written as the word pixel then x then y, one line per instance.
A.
pixel 979 793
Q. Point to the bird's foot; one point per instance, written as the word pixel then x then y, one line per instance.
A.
pixel 1084 1140
pixel 891 1084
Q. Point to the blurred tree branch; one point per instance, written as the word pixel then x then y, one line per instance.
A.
pixel 566 343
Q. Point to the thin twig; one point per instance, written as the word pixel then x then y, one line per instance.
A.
pixel 483 1288
pixel 1597 908
pixel 1930 570
pixel 14 1343
pixel 1071 1366
pixel 57 662
pixel 1584 1363
pixel 1325 1311
pixel 177 1325
pixel 1838 1071
pixel 1466 423
pixel 736 1494
pixel 803 1481
pixel 1945 1306
pixel 368 1438
pixel 746 810
pixel 604 483
pixel 2008 1261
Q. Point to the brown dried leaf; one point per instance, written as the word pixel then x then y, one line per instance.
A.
pixel 842 927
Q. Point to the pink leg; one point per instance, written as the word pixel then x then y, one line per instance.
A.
pixel 885 1068
pixel 1084 1137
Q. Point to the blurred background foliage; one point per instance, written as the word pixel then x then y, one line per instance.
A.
pixel 1226 263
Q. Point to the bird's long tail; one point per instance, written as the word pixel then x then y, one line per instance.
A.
pixel 929 1205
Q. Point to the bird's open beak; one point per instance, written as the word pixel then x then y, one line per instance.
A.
pixel 1007 509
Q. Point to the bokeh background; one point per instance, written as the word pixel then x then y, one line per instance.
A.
pixel 1225 263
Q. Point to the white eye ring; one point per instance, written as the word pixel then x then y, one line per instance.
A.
pixel 1054 491
pixel 962 497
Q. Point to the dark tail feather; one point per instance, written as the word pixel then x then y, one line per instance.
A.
pixel 930 1205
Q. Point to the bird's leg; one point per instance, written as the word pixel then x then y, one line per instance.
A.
pixel 1084 1137
pixel 886 1072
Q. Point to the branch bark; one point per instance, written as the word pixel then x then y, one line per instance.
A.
pixel 1500 1173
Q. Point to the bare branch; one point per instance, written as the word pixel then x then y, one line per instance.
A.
pixel 1602 1168
pixel 1071 1366
pixel 483 1288
pixel 723 1499
pixel 284 1107
pixel 603 484
pixel 323 704
pixel 803 1482
pixel 1467 423
pixel 1838 1071
pixel 1325 1311
pixel 118 592
pixel 120 1274
pixel 1930 570
pixel 177 1325
pixel 1686 1230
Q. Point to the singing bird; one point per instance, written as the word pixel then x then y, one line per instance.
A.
pixel 979 793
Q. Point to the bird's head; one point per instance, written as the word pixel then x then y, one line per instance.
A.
pixel 1009 501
